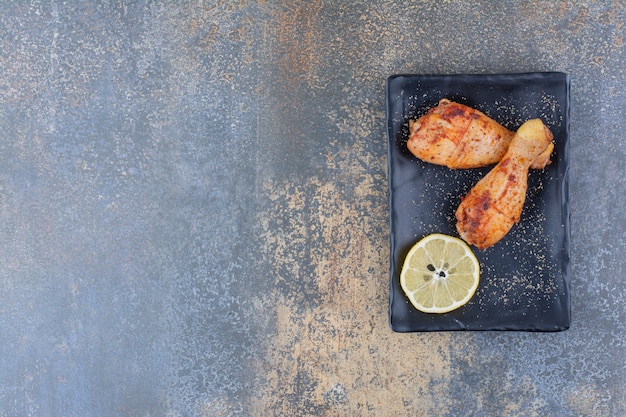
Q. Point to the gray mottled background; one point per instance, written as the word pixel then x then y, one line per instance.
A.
pixel 194 219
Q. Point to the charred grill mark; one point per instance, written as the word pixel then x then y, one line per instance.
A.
pixel 511 180
pixel 456 111
pixel 473 216
pixel 483 202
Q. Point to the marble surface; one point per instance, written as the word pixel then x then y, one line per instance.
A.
pixel 194 216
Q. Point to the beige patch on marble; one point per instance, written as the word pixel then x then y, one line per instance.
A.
pixel 297 37
pixel 590 400
pixel 332 352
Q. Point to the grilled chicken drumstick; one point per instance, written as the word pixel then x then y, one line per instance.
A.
pixel 494 204
pixel 457 136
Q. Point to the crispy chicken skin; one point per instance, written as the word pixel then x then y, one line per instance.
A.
pixel 458 136
pixel 494 204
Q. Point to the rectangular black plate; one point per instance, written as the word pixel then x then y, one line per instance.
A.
pixel 524 283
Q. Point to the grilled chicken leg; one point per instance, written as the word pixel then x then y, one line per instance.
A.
pixel 494 204
pixel 458 136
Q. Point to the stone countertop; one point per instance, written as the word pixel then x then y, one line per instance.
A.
pixel 194 216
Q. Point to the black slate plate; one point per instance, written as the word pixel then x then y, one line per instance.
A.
pixel 524 277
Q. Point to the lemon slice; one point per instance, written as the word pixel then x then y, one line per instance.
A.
pixel 440 274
